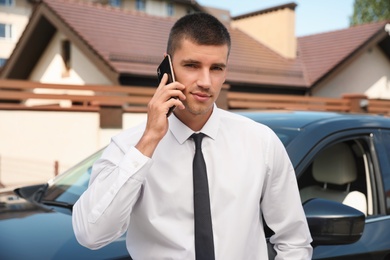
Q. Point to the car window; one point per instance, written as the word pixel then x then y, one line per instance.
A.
pixel 385 169
pixel 341 172
pixel 69 186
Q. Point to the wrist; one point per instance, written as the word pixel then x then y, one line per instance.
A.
pixel 147 144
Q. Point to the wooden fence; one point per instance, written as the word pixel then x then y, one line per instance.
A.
pixel 266 101
pixel 14 94
pixel 378 106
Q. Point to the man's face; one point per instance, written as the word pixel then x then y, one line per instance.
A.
pixel 202 70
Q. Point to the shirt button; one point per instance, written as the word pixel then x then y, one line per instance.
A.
pixel 135 164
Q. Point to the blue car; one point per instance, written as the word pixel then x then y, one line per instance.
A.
pixel 342 163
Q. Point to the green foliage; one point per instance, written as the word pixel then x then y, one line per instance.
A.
pixel 366 11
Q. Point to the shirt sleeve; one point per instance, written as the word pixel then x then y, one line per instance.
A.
pixel 102 213
pixel 282 208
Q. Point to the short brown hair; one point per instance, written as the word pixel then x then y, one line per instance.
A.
pixel 200 28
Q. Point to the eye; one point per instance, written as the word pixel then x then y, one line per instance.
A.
pixel 190 65
pixel 217 68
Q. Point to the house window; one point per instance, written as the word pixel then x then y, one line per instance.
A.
pixel 170 9
pixel 2 62
pixel 141 5
pixel 115 3
pixel 5 31
pixel 7 2
pixel 65 53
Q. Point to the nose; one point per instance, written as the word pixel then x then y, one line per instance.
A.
pixel 204 79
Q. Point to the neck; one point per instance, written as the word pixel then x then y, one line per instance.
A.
pixel 194 122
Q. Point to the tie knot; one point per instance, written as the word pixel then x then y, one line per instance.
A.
pixel 198 140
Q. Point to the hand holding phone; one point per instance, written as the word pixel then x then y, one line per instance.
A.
pixel 166 67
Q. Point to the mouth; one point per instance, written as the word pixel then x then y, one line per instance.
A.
pixel 201 96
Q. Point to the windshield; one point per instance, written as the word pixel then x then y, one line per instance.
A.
pixel 69 186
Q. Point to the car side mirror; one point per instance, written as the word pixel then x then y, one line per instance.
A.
pixel 333 223
pixel 27 192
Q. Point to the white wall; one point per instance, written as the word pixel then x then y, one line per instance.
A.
pixel 369 74
pixel 160 8
pixel 51 69
pixel 31 141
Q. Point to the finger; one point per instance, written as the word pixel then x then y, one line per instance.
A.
pixel 164 80
pixel 172 90
pixel 174 102
pixel 177 93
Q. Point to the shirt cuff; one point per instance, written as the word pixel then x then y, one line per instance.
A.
pixel 132 162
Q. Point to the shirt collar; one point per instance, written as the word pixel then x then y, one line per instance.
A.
pixel 182 132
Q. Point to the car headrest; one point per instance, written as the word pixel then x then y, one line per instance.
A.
pixel 335 165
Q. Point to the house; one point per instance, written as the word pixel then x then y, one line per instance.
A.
pixel 353 60
pixel 14 15
pixel 79 42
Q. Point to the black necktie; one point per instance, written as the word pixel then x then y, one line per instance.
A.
pixel 204 243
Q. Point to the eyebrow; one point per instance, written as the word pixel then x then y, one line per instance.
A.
pixel 222 65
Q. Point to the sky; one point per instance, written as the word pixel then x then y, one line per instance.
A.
pixel 312 16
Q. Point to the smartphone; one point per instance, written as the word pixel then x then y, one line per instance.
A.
pixel 166 67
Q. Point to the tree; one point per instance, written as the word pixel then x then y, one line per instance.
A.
pixel 366 11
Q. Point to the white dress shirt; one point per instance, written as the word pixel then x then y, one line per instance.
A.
pixel 249 174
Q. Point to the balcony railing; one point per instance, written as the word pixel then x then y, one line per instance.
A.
pixel 27 95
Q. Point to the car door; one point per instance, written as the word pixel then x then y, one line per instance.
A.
pixel 370 183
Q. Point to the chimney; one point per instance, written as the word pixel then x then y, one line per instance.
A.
pixel 273 27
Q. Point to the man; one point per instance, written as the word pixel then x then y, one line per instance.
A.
pixel 143 184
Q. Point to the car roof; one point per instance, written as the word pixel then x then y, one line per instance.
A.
pixel 300 131
pixel 303 119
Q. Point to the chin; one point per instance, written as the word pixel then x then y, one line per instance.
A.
pixel 199 109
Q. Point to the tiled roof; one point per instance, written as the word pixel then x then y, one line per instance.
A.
pixel 291 6
pixel 123 39
pixel 253 62
pixel 321 53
